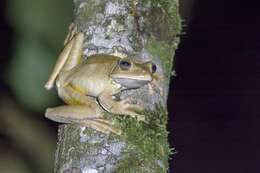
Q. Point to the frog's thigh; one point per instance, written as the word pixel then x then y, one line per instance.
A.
pixel 73 113
pixel 71 96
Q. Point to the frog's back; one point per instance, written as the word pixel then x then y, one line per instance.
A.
pixel 101 59
pixel 99 65
pixel 92 76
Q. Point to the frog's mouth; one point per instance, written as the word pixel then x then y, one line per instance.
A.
pixel 131 83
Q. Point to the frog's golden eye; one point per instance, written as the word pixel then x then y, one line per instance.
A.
pixel 154 68
pixel 124 65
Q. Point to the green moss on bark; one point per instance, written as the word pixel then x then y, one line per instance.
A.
pixel 147 145
pixel 171 8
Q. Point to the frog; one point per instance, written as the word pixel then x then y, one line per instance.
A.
pixel 90 87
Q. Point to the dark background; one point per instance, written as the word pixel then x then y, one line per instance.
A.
pixel 213 102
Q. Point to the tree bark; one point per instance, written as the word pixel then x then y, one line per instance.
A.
pixel 144 29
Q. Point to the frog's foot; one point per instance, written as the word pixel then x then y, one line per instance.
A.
pixel 71 33
pixel 124 107
pixel 131 109
pixel 102 125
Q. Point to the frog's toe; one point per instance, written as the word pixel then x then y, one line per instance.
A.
pixel 140 117
pixel 133 113
pixel 134 108
pixel 102 125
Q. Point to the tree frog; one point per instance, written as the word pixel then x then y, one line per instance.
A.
pixel 89 87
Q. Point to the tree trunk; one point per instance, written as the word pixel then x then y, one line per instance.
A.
pixel 147 30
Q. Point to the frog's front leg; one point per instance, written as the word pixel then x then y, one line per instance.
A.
pixel 119 107
pixel 68 58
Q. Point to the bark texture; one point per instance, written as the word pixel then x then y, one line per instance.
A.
pixel 146 30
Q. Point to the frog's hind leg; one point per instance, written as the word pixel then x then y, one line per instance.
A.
pixel 69 57
pixel 81 114
pixel 73 113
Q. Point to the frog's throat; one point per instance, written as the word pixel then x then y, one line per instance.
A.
pixel 131 83
pixel 137 77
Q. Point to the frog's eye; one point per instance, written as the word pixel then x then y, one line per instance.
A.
pixel 154 68
pixel 124 65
